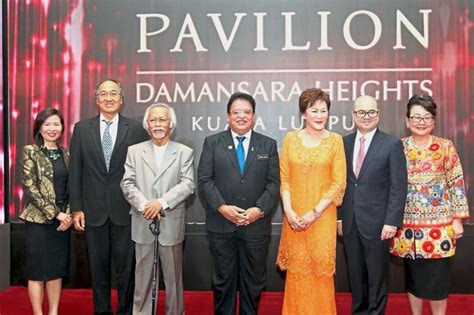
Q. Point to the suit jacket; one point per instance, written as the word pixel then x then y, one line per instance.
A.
pixel 92 189
pixel 144 181
pixel 38 183
pixel 220 181
pixel 377 197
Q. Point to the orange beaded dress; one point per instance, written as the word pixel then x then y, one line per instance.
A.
pixel 309 257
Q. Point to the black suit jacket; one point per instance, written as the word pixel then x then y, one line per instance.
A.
pixel 91 188
pixel 220 181
pixel 377 197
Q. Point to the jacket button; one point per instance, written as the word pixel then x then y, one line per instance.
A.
pixel 355 184
pixel 242 181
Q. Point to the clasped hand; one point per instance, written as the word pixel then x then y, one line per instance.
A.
pixel 65 221
pixel 152 210
pixel 299 224
pixel 240 216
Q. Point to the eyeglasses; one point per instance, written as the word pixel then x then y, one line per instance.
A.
pixel 362 113
pixel 245 112
pixel 419 119
pixel 104 94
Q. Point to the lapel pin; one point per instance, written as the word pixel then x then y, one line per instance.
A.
pixel 229 147
pixel 251 149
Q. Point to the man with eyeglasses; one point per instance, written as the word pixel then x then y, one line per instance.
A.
pixel 372 207
pixel 159 176
pixel 98 149
pixel 238 176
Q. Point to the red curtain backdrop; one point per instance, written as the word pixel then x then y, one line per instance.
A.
pixel 193 56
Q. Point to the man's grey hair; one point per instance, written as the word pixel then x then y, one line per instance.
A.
pixel 171 112
pixel 96 90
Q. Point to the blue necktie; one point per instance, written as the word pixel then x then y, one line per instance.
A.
pixel 107 144
pixel 241 153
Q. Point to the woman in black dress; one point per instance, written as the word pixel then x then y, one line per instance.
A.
pixel 46 210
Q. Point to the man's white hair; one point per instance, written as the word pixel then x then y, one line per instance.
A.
pixel 171 112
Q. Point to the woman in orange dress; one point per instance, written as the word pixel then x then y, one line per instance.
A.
pixel 313 180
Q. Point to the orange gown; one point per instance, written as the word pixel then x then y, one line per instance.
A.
pixel 309 257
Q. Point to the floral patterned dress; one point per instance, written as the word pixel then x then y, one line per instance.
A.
pixel 311 174
pixel 436 195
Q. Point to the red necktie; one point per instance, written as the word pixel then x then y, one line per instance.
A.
pixel 360 156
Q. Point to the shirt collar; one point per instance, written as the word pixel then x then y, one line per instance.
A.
pixel 368 136
pixel 247 135
pixel 114 120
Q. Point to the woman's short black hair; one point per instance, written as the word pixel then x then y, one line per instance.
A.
pixel 39 121
pixel 242 96
pixel 424 101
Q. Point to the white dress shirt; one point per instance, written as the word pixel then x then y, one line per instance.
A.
pixel 245 143
pixel 112 129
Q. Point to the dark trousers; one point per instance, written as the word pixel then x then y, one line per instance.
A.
pixel 105 243
pixel 368 264
pixel 238 263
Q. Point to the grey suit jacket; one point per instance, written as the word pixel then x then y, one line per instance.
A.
pixel 144 181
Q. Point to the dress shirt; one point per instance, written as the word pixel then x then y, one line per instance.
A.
pixel 245 143
pixel 368 139
pixel 112 129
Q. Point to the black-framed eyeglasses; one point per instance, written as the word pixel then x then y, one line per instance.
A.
pixel 362 113
pixel 419 119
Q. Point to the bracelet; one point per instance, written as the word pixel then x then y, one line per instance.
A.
pixel 317 213
pixel 262 214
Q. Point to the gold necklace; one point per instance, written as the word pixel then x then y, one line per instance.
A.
pixel 422 146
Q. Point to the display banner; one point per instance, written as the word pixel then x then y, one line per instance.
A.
pixel 194 54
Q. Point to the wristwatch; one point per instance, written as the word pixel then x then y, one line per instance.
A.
pixel 262 214
pixel 317 213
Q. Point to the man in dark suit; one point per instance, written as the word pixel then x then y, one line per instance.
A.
pixel 238 177
pixel 98 150
pixel 372 207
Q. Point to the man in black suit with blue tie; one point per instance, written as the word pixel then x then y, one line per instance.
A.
pixel 238 177
pixel 372 207
pixel 98 150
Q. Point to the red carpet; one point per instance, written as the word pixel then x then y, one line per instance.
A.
pixel 14 301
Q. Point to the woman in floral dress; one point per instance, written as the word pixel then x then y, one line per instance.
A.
pixel 435 207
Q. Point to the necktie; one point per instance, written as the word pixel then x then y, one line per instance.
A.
pixel 241 153
pixel 360 156
pixel 107 144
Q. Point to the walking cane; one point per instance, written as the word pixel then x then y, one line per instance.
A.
pixel 155 230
